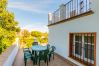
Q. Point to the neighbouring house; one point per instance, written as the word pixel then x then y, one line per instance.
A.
pixel 74 31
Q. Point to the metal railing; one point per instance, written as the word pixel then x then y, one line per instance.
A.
pixel 68 10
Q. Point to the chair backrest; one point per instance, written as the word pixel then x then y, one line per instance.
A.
pixel 46 52
pixel 53 48
pixel 35 43
pixel 48 46
pixel 41 53
pixel 27 54
pixel 26 50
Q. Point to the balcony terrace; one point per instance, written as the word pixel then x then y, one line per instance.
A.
pixel 58 61
pixel 71 10
pixel 14 56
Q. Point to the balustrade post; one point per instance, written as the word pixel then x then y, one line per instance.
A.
pixel 62 12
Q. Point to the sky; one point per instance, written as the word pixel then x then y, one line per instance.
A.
pixel 33 14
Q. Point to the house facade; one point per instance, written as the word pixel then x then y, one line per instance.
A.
pixel 74 31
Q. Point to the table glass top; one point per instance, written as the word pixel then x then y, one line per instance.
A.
pixel 39 47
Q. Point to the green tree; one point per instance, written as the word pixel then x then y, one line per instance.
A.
pixel 44 38
pixel 3 4
pixel 36 34
pixel 18 29
pixel 8 27
pixel 25 33
pixel 26 39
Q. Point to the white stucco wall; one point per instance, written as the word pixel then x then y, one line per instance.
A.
pixel 11 57
pixel 59 34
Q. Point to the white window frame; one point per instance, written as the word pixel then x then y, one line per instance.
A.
pixel 83 54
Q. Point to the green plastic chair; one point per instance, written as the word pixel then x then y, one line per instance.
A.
pixel 51 52
pixel 43 56
pixel 27 55
pixel 48 46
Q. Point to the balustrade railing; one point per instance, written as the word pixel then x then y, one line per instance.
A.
pixel 68 10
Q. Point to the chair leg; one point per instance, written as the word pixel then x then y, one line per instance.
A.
pixel 39 62
pixel 25 62
pixel 47 62
pixel 53 55
pixel 33 61
pixel 49 58
pixel 36 61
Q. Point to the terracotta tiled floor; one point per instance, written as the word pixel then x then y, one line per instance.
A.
pixel 19 61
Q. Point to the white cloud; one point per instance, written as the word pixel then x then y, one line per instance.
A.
pixel 26 7
pixel 32 7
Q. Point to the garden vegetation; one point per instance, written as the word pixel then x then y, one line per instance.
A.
pixel 8 27
pixel 27 38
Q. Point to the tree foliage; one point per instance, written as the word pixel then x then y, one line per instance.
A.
pixel 44 38
pixel 3 4
pixel 27 38
pixel 8 27
pixel 36 34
